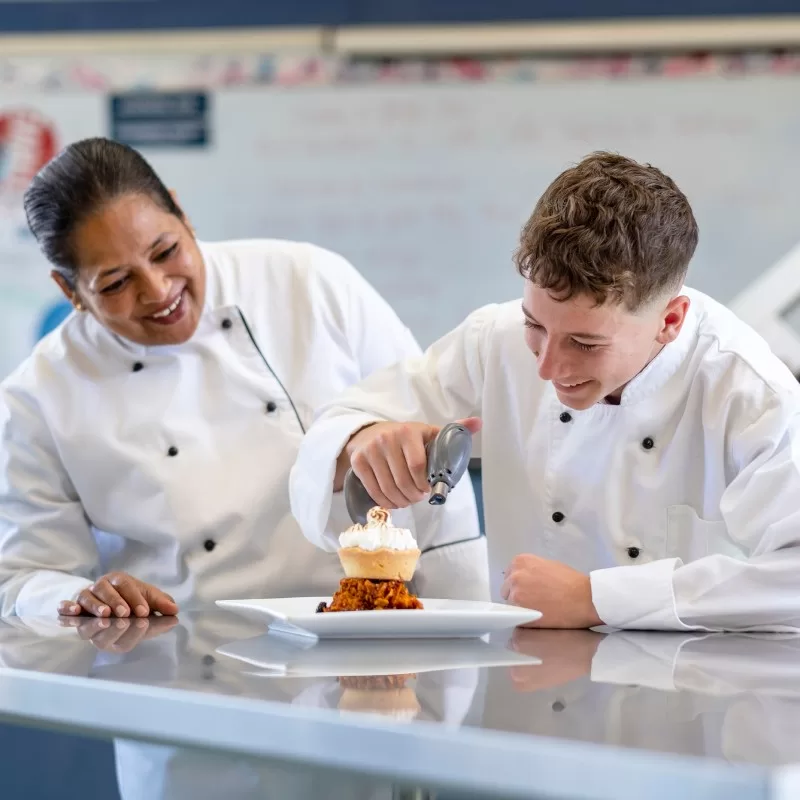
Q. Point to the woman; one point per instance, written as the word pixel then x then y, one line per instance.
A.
pixel 147 442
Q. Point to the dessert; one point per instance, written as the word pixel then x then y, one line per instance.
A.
pixel 380 694
pixel 378 550
pixel 363 594
pixel 378 559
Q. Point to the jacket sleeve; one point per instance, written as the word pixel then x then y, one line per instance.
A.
pixel 376 336
pixel 399 384
pixel 47 551
pixel 760 508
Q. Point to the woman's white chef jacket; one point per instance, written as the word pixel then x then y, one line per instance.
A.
pixel 683 502
pixel 172 463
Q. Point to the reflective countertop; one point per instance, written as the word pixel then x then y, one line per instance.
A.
pixel 523 714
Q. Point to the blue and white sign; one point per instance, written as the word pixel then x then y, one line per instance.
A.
pixel 160 119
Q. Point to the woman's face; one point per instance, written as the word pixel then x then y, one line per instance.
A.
pixel 141 274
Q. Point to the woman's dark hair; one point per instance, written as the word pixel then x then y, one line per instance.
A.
pixel 76 184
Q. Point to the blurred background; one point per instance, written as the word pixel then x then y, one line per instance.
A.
pixel 414 138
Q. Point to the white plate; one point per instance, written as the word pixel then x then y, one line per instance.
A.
pixel 291 656
pixel 439 619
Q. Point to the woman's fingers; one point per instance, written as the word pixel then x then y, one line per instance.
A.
pixel 108 594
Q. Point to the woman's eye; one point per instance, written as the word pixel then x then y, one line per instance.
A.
pixel 165 254
pixel 114 287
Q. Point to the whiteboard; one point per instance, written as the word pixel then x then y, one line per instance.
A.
pixel 425 187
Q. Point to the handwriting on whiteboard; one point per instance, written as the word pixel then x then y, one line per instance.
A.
pixel 410 181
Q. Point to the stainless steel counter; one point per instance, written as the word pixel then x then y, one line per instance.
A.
pixel 211 706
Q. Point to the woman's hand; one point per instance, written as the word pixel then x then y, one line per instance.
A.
pixel 118 594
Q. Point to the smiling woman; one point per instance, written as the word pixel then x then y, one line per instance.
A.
pixel 146 444
pixel 140 270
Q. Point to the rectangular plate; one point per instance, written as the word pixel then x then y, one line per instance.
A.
pixel 439 619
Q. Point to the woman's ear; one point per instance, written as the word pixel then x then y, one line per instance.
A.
pixel 70 293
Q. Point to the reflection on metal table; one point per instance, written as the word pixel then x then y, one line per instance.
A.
pixel 210 705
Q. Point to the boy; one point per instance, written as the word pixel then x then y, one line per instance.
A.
pixel 640 444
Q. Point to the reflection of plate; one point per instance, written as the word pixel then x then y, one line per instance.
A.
pixel 439 618
pixel 280 656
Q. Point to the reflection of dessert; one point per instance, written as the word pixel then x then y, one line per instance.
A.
pixel 375 682
pixel 377 559
pixel 380 694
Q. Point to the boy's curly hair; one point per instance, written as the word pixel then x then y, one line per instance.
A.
pixel 610 228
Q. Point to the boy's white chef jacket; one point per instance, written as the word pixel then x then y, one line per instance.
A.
pixel 172 463
pixel 682 502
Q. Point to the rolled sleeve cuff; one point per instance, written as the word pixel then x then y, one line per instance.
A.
pixel 44 591
pixel 638 597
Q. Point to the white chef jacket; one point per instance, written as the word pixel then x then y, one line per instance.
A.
pixel 682 502
pixel 171 463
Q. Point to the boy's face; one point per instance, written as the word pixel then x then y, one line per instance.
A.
pixel 591 352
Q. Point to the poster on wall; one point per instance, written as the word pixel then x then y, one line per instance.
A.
pixel 32 130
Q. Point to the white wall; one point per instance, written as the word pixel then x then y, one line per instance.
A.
pixel 424 185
